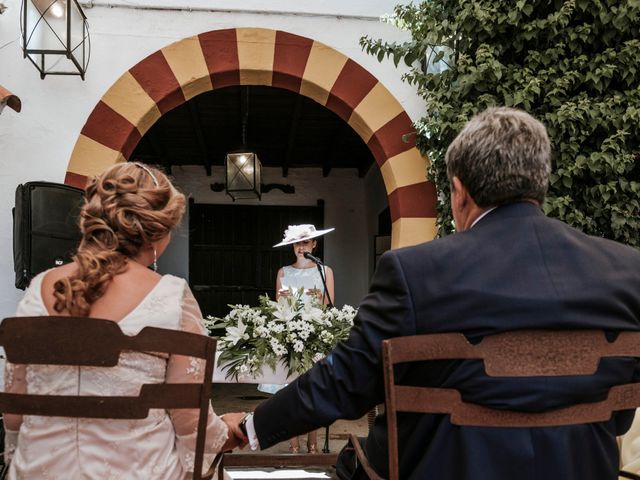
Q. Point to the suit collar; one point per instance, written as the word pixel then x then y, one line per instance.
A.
pixel 518 209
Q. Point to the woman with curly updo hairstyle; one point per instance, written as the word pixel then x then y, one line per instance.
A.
pixel 126 225
pixel 129 213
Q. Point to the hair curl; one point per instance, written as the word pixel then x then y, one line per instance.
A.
pixel 126 208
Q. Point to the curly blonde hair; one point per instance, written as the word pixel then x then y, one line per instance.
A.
pixel 126 208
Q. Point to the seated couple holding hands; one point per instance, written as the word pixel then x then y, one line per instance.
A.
pixel 508 267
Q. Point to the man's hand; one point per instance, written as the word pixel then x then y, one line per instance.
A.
pixel 236 437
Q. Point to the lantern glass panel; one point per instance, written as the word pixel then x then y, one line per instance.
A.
pixel 243 171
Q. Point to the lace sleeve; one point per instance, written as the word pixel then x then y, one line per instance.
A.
pixel 183 369
pixel 15 375
pixel 14 382
pixel 629 445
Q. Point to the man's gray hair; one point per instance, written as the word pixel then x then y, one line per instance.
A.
pixel 501 156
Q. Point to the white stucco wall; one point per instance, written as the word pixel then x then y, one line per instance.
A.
pixel 36 143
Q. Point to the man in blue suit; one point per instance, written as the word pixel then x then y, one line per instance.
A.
pixel 508 267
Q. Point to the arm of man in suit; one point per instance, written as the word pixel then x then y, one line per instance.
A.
pixel 349 381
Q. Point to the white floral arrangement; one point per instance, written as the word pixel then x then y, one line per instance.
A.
pixel 290 330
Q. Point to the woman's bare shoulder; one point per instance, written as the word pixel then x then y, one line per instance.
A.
pixel 55 274
pixel 134 282
pixel 49 280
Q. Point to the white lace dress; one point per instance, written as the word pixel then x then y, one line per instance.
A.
pixel 159 447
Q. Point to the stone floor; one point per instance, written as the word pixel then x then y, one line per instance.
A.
pixel 232 397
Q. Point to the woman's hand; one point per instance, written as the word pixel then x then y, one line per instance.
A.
pixel 235 437
pixel 315 292
pixel 284 292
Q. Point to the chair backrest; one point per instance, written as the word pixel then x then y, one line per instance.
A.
pixel 524 353
pixel 81 341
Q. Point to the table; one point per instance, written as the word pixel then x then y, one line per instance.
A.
pixel 266 375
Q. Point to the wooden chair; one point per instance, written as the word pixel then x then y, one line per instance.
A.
pixel 524 353
pixel 78 341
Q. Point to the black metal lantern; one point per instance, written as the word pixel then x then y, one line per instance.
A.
pixel 243 172
pixel 55 36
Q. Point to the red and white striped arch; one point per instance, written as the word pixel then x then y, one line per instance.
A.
pixel 256 56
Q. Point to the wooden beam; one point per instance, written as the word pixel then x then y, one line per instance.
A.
pixel 293 130
pixel 197 128
pixel 244 114
pixel 363 168
pixel 158 150
pixel 338 141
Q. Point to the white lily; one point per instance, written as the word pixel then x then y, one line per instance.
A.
pixel 284 312
pixel 311 313
pixel 235 334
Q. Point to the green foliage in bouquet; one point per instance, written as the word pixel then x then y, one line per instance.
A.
pixel 573 64
pixel 290 330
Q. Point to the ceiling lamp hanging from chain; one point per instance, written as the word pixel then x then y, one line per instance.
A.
pixel 243 170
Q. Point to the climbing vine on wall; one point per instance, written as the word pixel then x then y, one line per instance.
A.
pixel 572 64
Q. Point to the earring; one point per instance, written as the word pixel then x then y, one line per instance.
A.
pixel 155 260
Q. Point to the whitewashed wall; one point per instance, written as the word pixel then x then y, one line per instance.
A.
pixel 36 143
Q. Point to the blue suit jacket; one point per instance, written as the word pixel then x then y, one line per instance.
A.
pixel 514 269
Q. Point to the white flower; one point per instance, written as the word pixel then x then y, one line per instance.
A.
pixel 277 348
pixel 298 231
pixel 261 331
pixel 276 327
pixel 235 334
pixel 298 346
pixel 311 313
pixel 284 312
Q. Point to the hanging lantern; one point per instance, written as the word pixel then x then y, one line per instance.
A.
pixel 55 36
pixel 243 175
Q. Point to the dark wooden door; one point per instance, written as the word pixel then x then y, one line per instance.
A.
pixel 231 254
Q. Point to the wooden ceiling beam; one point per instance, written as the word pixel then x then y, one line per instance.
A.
pixel 293 131
pixel 244 114
pixel 339 141
pixel 197 128
pixel 158 150
pixel 363 168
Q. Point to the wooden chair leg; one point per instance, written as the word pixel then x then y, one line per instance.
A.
pixel 217 463
pixel 221 467
pixel 362 458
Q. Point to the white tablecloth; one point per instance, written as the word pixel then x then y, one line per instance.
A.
pixel 267 375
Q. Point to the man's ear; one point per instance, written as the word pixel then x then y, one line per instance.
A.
pixel 460 194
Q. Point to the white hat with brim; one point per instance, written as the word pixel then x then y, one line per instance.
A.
pixel 300 233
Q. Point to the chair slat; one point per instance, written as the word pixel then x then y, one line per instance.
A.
pixel 524 353
pixel 79 341
pixel 58 340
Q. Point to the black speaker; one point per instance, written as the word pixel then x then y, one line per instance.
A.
pixel 46 230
